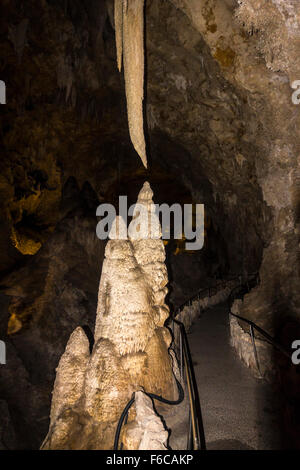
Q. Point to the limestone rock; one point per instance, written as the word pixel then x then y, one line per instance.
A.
pixel 130 351
pixel 70 373
pixel 242 343
pixel 129 30
pixel 7 434
pixel 147 432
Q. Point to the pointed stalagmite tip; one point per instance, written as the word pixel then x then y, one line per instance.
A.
pixel 146 192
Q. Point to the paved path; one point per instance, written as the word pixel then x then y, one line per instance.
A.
pixel 238 410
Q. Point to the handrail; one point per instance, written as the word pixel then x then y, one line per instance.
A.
pixel 198 435
pixel 268 337
pixel 253 326
pixel 260 330
pixel 215 287
pixel 124 414
pixel 194 402
pixel 197 426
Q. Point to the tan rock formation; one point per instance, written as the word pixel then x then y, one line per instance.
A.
pixel 118 14
pixel 147 431
pixel 129 30
pixel 131 346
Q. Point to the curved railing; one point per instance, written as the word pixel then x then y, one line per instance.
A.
pixel 253 326
pixel 125 412
pixel 251 280
pixel 196 436
pixel 214 289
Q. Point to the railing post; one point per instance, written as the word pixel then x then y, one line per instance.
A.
pixel 195 428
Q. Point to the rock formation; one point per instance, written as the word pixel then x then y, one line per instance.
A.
pixel 130 351
pixel 147 430
pixel 129 30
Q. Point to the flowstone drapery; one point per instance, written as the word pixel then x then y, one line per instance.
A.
pixel 130 351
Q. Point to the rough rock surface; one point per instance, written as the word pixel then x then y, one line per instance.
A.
pixel 130 352
pixel 190 312
pixel 241 341
pixel 147 431
pixel 129 29
pixel 43 303
pixel 255 45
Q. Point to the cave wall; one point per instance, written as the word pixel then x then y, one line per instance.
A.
pixel 233 70
pixel 191 102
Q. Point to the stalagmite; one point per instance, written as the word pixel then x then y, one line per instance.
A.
pixel 129 31
pixel 131 345
pixel 119 31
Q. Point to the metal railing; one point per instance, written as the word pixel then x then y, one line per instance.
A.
pixel 124 415
pixel 252 327
pixel 196 436
pixel 214 289
pixel 251 280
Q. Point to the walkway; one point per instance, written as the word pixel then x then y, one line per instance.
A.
pixel 238 410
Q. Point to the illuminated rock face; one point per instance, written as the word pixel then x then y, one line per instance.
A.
pixel 147 430
pixel 129 27
pixel 130 352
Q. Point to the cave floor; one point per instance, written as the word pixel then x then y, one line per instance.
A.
pixel 239 410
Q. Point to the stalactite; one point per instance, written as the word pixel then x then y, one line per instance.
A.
pixel 129 30
pixel 119 31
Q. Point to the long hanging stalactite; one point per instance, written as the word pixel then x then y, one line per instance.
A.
pixel 129 31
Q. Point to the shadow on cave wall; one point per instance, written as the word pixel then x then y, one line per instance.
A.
pixel 43 303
